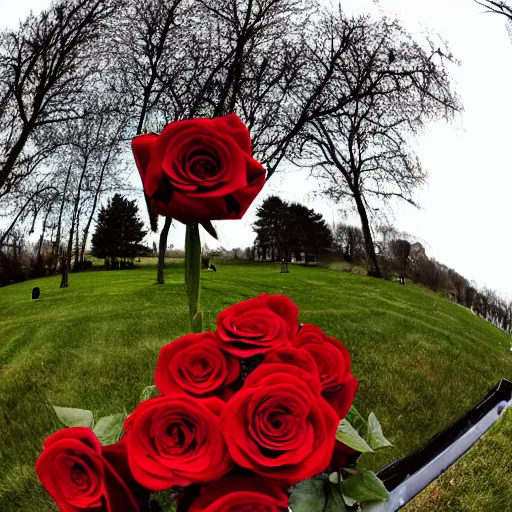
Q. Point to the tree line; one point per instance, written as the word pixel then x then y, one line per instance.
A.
pixel 342 95
pixel 402 257
pixel 285 230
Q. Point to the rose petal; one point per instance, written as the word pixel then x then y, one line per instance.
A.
pixel 193 363
pixel 142 147
pixel 233 126
pixel 235 492
pixel 177 440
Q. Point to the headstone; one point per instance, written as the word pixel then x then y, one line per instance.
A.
pixel 36 292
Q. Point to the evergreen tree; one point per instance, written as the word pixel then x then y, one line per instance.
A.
pixel 284 228
pixel 269 226
pixel 119 231
pixel 305 231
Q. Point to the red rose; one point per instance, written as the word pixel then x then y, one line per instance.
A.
pixel 339 386
pixel 177 440
pixel 79 474
pixel 294 356
pixel 257 325
pixel 241 494
pixel 278 425
pixel 200 169
pixel 196 365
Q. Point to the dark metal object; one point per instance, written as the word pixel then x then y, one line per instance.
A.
pixel 408 476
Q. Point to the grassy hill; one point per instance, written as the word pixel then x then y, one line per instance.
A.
pixel 422 361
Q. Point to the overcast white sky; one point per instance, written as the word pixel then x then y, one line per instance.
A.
pixel 465 219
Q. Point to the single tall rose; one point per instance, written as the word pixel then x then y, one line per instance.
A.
pixel 195 364
pixel 177 440
pixel 200 169
pixel 80 474
pixel 339 386
pixel 257 325
pixel 278 425
pixel 241 494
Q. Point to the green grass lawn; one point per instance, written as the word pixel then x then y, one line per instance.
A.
pixel 422 361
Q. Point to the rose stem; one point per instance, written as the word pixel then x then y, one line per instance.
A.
pixel 193 275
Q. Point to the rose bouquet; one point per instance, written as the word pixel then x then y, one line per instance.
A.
pixel 255 416
pixel 237 418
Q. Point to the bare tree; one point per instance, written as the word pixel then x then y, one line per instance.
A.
pixel 29 204
pixel 149 48
pixel 349 241
pixel 497 7
pixel 104 177
pixel 47 65
pixel 87 139
pixel 401 249
pixel 208 58
pixel 362 151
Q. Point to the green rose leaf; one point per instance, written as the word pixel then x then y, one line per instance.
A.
pixel 348 435
pixel 357 421
pixel 149 392
pixel 335 501
pixel 374 436
pixel 364 487
pixel 308 495
pixel 110 428
pixel 74 417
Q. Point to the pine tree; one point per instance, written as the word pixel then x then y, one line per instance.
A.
pixel 269 226
pixel 284 228
pixel 119 232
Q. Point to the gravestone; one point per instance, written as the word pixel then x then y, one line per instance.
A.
pixel 36 292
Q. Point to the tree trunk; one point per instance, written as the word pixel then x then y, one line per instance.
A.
pixel 374 269
pixel 13 155
pixel 77 242
pixel 41 239
pixel 161 250
pixel 56 246
pixel 64 270
pixel 403 272
pixel 68 255
pixel 86 230
pixel 94 204
pixel 74 218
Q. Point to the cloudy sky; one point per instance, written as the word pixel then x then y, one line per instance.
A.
pixel 464 220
